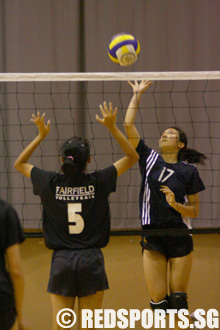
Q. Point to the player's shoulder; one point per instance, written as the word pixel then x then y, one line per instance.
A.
pixel 2 202
pixel 37 172
pixel 101 171
pixel 41 170
pixel 4 206
pixel 188 169
pixel 106 176
pixel 6 210
pixel 142 147
pixel 188 166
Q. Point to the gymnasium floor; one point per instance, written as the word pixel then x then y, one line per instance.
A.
pixel 124 269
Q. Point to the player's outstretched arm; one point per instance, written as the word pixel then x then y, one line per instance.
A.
pixel 21 163
pixel 129 124
pixel 109 120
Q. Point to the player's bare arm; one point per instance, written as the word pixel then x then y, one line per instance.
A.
pixel 21 164
pixel 129 124
pixel 109 120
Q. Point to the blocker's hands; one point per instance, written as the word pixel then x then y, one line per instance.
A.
pixel 108 115
pixel 140 87
pixel 40 123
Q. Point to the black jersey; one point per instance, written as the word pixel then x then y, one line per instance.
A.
pixel 10 234
pixel 75 217
pixel 182 178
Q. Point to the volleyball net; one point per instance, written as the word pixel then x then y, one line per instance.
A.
pixel 189 100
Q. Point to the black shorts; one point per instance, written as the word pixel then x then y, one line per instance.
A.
pixel 170 246
pixel 77 273
pixel 7 312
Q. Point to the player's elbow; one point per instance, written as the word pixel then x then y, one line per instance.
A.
pixel 132 162
pixel 17 165
pixel 128 127
pixel 134 159
pixel 16 272
pixel 133 155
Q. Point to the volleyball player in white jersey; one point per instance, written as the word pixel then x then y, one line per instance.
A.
pixel 167 182
pixel 76 216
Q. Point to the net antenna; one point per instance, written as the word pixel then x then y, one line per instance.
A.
pixel 190 100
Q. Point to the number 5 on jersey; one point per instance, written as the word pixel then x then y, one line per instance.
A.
pixel 75 220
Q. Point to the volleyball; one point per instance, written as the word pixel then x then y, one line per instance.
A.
pixel 123 49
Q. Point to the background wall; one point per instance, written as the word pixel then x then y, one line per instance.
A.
pixel 73 35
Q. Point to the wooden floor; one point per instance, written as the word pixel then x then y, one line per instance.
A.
pixel 123 262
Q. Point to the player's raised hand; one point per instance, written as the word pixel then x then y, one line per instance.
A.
pixel 43 128
pixel 140 87
pixel 108 115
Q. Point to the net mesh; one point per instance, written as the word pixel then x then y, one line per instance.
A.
pixel 187 100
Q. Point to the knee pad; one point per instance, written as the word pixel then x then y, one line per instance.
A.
pixel 178 300
pixel 163 304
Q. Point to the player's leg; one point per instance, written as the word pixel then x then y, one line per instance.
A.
pixel 180 269
pixel 181 258
pixel 92 280
pixel 91 302
pixel 62 284
pixel 155 272
pixel 58 303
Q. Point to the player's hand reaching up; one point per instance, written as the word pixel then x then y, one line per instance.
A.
pixel 108 115
pixel 139 88
pixel 40 123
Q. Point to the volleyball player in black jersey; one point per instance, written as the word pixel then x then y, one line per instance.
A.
pixel 170 184
pixel 11 276
pixel 76 216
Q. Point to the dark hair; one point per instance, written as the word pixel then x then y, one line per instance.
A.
pixel 187 154
pixel 75 153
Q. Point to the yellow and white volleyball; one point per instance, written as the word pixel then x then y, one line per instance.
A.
pixel 124 49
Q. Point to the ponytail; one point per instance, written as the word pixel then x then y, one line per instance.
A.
pixel 186 154
pixel 75 153
pixel 70 169
pixel 191 156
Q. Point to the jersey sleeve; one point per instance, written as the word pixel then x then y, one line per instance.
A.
pixel 195 183
pixel 14 233
pixel 39 179
pixel 108 178
pixel 143 151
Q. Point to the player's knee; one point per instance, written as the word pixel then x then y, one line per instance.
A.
pixel 163 304
pixel 178 300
